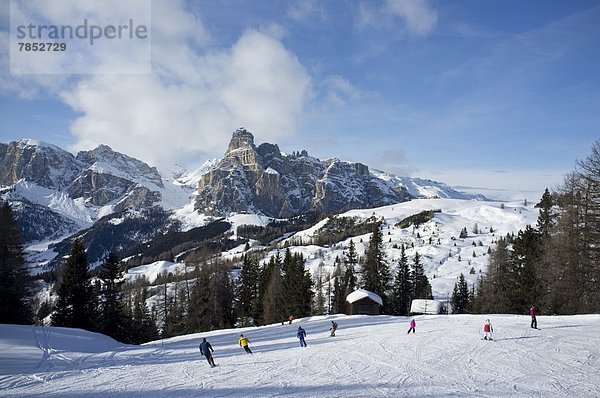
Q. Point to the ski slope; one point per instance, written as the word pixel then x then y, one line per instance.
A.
pixel 371 356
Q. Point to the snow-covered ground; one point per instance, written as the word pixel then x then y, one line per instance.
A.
pixel 443 253
pixel 371 356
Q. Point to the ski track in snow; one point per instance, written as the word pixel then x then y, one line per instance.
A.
pixel 368 357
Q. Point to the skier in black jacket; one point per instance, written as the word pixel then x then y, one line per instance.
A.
pixel 205 349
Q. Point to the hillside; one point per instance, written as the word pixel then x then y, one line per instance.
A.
pixel 369 357
pixel 445 256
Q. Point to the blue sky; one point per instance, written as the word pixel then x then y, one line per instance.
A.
pixel 491 94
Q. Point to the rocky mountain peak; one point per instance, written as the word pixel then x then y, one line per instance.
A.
pixel 264 179
pixel 44 164
pixel 241 139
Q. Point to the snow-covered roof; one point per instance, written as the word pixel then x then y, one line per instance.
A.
pixel 361 294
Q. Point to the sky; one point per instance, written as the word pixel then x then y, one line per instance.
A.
pixel 485 94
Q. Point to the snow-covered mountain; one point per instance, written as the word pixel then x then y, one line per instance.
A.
pixel 56 194
pixel 370 356
pixel 263 179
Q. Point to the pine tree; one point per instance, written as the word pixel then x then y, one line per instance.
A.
pixel 112 320
pixel 350 261
pixel 320 297
pixel 15 283
pixel 491 294
pixel 223 297
pixel 76 304
pixel 273 301
pixel 524 286
pixel 200 314
pixel 402 287
pixel 142 324
pixel 247 291
pixel 421 287
pixel 460 296
pixel 546 217
pixel 376 274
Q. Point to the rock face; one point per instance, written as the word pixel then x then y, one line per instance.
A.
pixel 111 176
pixel 262 179
pixel 45 165
pixel 59 193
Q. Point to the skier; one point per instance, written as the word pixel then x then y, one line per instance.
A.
pixel 205 349
pixel 488 329
pixel 301 335
pixel 413 324
pixel 243 341
pixel 533 319
pixel 333 328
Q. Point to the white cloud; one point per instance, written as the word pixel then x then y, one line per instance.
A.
pixel 340 92
pixel 305 11
pixel 189 108
pixel 195 97
pixel 419 17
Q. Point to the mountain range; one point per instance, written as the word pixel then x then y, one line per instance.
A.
pixel 116 202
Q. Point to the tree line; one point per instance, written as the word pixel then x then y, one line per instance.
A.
pixel 554 265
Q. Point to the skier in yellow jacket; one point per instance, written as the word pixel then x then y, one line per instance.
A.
pixel 243 341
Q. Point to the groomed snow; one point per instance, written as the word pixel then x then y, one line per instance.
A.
pixel 369 357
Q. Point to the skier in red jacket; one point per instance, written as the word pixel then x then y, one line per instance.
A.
pixel 488 329
pixel 533 319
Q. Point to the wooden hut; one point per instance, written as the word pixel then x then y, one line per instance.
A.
pixel 364 302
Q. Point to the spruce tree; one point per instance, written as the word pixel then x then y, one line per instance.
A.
pixel 421 287
pixel 273 301
pixel 112 321
pixel 15 283
pixel 350 261
pixel 460 296
pixel 546 217
pixel 76 304
pixel 402 286
pixel 201 315
pixel 524 288
pixel 376 274
pixel 247 291
pixel 142 324
pixel 223 297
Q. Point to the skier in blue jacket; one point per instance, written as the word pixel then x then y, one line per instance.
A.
pixel 301 335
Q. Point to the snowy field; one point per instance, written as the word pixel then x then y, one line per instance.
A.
pixel 369 357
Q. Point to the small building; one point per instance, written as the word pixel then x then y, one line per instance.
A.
pixel 430 307
pixel 364 302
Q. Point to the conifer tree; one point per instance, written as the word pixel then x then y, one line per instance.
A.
pixel 76 304
pixel 491 294
pixel 546 217
pixel 223 297
pixel 524 288
pixel 15 283
pixel 273 301
pixel 247 291
pixel 200 315
pixel 460 296
pixel 421 287
pixel 143 324
pixel 350 262
pixel 320 296
pixel 376 274
pixel 402 287
pixel 112 320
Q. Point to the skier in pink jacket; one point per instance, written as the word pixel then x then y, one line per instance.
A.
pixel 533 319
pixel 413 324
